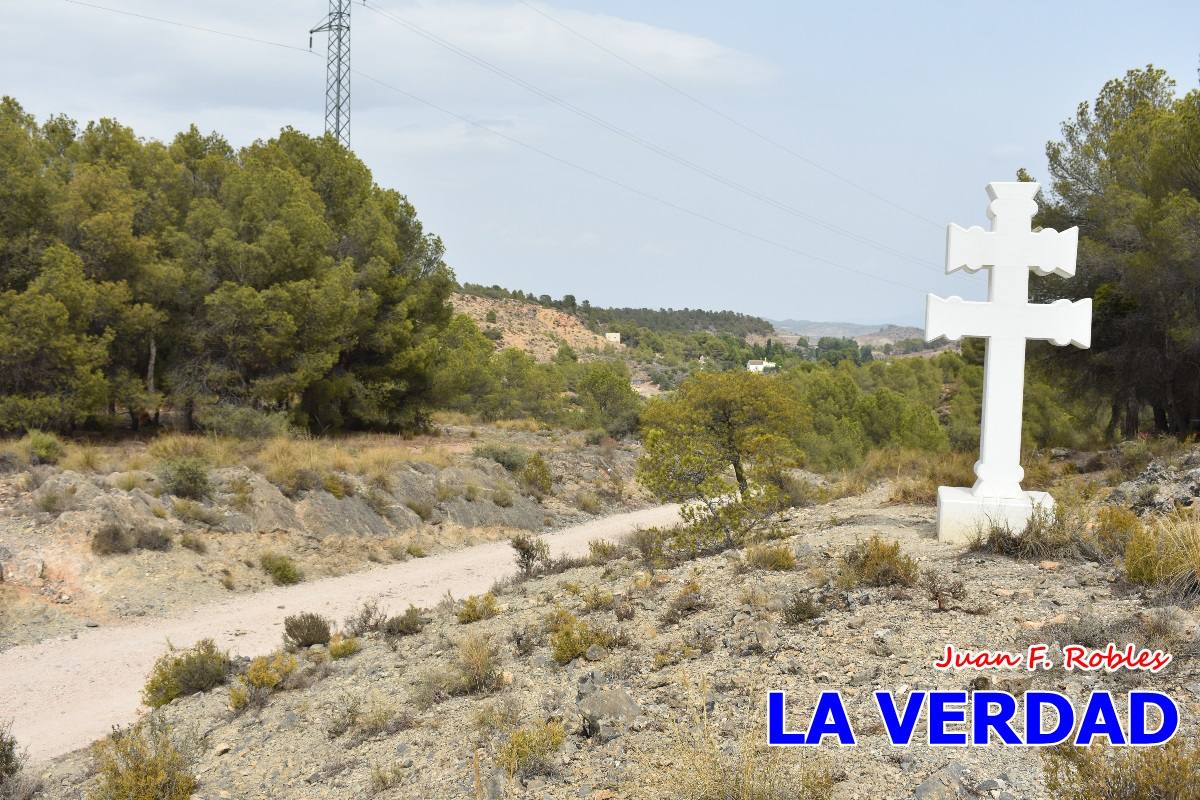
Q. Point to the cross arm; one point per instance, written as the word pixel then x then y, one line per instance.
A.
pixel 1062 322
pixel 1046 251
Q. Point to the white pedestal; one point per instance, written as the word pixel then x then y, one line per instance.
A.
pixel 961 515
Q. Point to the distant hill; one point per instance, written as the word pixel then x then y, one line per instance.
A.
pixel 861 333
pixel 662 320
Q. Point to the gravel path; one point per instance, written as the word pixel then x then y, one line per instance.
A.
pixel 63 694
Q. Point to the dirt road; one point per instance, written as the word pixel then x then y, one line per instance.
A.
pixel 62 694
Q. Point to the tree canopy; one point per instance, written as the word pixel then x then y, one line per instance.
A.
pixel 135 273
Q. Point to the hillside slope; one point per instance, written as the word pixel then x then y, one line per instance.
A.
pixel 526 326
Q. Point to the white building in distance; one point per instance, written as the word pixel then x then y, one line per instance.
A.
pixel 758 365
pixel 613 338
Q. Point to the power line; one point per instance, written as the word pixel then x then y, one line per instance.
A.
pixel 649 145
pixel 533 148
pixel 189 26
pixel 634 190
pixel 733 120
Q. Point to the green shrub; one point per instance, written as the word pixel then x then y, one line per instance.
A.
pixel 243 422
pixel 876 563
pixel 511 458
pixel 528 751
pixel 406 624
pixel 535 476
pixel 185 476
pixel 502 497
pixel 531 553
pixel 571 637
pixel 305 630
pixel 141 763
pixel 343 646
pixel 598 599
pixel 601 551
pixel 282 569
pixel 41 447
pixel 478 607
pixel 178 674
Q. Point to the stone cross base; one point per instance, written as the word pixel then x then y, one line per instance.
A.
pixel 961 515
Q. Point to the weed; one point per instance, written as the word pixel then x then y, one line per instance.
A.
pixel 1167 554
pixel 406 624
pixel 601 551
pixel 369 618
pixel 502 497
pixel 191 511
pixel 471 493
pixel 384 778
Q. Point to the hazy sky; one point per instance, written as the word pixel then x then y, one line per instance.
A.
pixel 920 103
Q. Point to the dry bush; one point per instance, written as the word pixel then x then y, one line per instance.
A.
pixel 913 491
pixel 1166 554
pixel 588 502
pixel 478 607
pixel 702 767
pixel 941 589
pixel 15 784
pixel 598 599
pixel 601 551
pixel 876 563
pixel 1114 528
pixel 82 458
pixel 1123 773
pixel 1058 532
pixel 406 624
pixel 777 558
pixel 369 618
pixel 366 717
pixel 142 763
pixel 689 600
pixel 800 607
pixel 178 674
pixel 191 511
pixel 476 670
pixel 502 497
pixel 528 751
pixel 535 476
pixel 531 553
pixel 304 630
pixel 508 456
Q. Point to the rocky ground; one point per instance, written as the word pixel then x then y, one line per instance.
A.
pixel 439 495
pixel 529 327
pixel 678 694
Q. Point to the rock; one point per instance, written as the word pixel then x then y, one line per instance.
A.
pixel 951 782
pixel 595 653
pixel 1048 565
pixel 608 713
pixel 222 748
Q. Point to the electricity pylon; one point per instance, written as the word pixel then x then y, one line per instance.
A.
pixel 337 71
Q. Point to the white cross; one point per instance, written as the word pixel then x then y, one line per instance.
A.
pixel 1009 251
